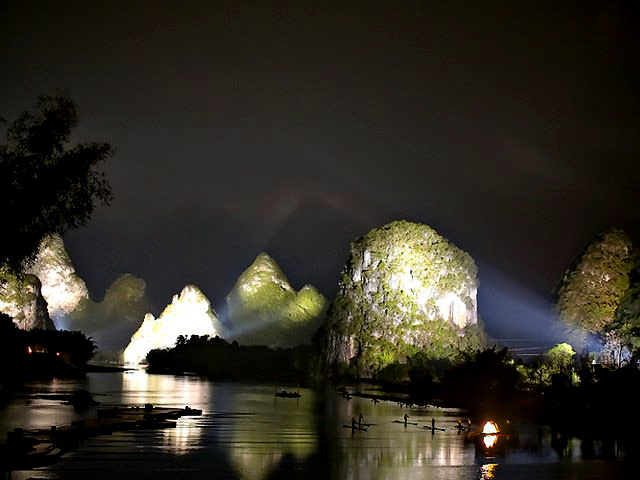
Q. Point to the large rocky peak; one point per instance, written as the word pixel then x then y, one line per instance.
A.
pixel 402 282
pixel 264 309
pixel 63 289
pixel 48 291
pixel 592 290
pixel 189 313
pixel 112 321
pixel 21 298
pixel 52 290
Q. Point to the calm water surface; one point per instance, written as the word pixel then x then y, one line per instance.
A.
pixel 247 433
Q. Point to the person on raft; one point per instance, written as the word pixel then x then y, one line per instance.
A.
pixel 433 423
pixel 354 424
pixel 360 420
pixel 406 417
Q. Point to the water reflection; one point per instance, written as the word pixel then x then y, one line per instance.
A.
pixel 245 432
pixel 38 407
pixel 488 471
pixel 139 388
pixel 489 440
pixel 182 439
pixel 283 429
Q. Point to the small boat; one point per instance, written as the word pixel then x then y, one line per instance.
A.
pixel 190 412
pixel 433 428
pixel 285 394
pixel 355 427
pixel 405 423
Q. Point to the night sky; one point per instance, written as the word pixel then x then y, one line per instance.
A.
pixel 512 128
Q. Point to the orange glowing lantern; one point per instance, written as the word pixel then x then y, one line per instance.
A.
pixel 490 427
pixel 490 431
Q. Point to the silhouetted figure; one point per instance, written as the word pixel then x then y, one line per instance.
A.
pixel 360 420
pixel 353 423
pixel 433 423
pixel 406 417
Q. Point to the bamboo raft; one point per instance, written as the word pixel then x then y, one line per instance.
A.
pixel 27 449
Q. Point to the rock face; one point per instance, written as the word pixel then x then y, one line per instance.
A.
pixel 21 298
pixel 403 289
pixel 188 314
pixel 49 291
pixel 63 289
pixel 111 322
pixel 591 291
pixel 265 310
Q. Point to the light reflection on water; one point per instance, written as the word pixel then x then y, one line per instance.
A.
pixel 488 471
pixel 246 432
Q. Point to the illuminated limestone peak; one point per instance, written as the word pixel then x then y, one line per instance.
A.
pixel 189 313
pixel 405 287
pixel 112 321
pixel 22 300
pixel 265 310
pixel 62 288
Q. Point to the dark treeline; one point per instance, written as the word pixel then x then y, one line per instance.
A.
pixel 221 360
pixel 41 353
pixel 576 396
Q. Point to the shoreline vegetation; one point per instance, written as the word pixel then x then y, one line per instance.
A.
pixel 41 354
pixel 573 395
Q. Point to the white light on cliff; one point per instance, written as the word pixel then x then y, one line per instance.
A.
pixel 188 314
pixel 264 309
pixel 62 288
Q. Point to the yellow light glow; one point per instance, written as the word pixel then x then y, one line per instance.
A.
pixel 490 440
pixel 488 471
pixel 188 314
pixel 490 427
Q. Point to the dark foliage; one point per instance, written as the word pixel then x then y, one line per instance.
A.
pixel 488 377
pixel 626 324
pixel 575 400
pixel 41 353
pixel 221 360
pixel 47 186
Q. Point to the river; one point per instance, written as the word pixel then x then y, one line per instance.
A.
pixel 245 432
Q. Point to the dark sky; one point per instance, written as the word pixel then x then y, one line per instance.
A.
pixel 513 128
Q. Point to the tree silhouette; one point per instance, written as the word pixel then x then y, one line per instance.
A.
pixel 47 185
